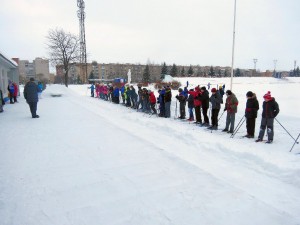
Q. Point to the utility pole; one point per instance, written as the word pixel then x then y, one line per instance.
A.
pixel 81 16
pixel 255 61
pixel 233 43
pixel 275 62
pixel 274 73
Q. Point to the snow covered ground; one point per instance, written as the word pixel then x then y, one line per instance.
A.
pixel 90 162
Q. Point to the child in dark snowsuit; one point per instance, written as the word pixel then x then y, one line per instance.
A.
pixel 182 101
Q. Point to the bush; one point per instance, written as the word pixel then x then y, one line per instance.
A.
pixel 143 84
pixel 173 85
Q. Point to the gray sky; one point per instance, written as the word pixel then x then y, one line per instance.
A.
pixel 175 31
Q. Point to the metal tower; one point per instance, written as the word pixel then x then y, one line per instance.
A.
pixel 81 16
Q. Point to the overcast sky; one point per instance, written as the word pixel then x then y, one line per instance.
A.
pixel 173 31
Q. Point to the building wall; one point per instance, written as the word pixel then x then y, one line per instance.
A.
pixel 41 66
pixel 38 69
pixel 8 71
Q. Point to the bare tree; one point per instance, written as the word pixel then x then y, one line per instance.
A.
pixel 63 49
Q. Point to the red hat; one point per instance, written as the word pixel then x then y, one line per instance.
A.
pixel 268 96
pixel 213 90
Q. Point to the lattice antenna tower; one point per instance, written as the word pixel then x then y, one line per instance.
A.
pixel 81 16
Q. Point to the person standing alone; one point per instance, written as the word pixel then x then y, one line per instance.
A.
pixel 31 96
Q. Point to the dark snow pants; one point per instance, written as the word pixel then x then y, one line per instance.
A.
pixel 250 125
pixel 269 123
pixel 33 108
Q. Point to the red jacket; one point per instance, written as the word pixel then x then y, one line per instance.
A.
pixel 152 98
pixel 16 89
pixel 197 101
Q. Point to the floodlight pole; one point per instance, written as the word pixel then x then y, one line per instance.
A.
pixel 255 61
pixel 233 42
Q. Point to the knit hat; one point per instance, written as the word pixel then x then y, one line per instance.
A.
pixel 228 92
pixel 249 94
pixel 268 96
pixel 213 90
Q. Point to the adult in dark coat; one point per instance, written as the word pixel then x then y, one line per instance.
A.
pixel 252 107
pixel 216 101
pixel 167 100
pixel 204 97
pixel 2 102
pixel 31 95
pixel 270 111
pixel 161 101
pixel 191 106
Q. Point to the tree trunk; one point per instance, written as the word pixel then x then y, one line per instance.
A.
pixel 66 79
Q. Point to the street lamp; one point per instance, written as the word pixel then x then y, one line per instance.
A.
pixel 233 42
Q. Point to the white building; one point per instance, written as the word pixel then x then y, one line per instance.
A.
pixel 8 71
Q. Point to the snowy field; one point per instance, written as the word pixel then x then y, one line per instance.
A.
pixel 90 162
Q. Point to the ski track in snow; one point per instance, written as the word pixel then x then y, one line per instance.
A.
pixel 215 176
pixel 226 155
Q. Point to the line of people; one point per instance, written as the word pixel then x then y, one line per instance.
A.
pixel 199 103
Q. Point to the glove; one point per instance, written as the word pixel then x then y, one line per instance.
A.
pixel 248 110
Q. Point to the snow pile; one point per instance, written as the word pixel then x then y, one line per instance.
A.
pixel 168 79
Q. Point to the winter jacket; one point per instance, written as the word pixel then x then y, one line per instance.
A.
pixel 196 95
pixel 190 101
pixel 168 95
pixel 204 97
pixel 270 109
pixel 133 93
pixel 31 92
pixel 181 98
pixel 252 107
pixel 40 86
pixel 231 103
pixel 92 87
pixel 16 90
pixel 152 98
pixel 215 100
pixel 11 88
pixel 116 92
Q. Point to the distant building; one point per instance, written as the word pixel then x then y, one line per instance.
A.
pixel 77 72
pixel 38 69
pixel 8 71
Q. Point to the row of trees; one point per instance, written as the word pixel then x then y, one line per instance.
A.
pixel 64 49
pixel 295 73
pixel 176 72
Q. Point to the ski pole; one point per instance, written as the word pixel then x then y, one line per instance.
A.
pixel 220 117
pixel 295 142
pixel 238 127
pixel 232 136
pixel 287 132
pixel 175 114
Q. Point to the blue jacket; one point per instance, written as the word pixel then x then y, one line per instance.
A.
pixel 40 86
pixel 11 88
pixel 92 87
pixel 116 92
pixel 122 90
